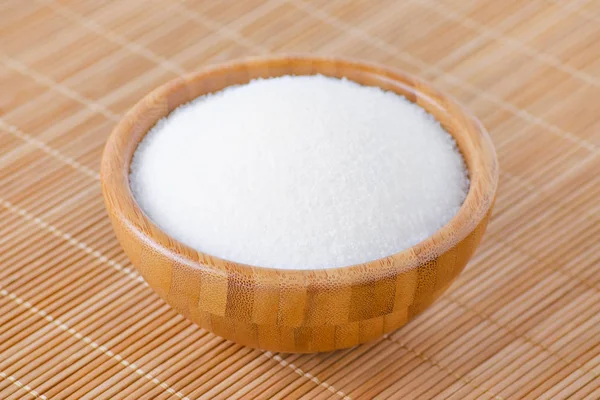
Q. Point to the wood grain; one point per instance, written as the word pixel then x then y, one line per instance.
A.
pixel 294 310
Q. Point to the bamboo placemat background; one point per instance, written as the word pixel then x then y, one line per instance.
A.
pixel 522 321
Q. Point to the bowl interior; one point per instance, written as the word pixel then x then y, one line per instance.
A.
pixel 471 138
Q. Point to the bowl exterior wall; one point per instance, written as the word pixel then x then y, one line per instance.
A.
pixel 294 316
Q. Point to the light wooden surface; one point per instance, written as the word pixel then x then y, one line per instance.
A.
pixel 291 310
pixel 522 320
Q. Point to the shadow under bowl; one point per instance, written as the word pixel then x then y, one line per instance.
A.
pixel 298 310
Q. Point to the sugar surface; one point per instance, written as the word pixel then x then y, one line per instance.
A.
pixel 301 172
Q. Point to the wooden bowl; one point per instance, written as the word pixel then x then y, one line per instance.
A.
pixel 298 310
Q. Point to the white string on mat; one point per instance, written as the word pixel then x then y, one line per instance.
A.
pixel 117 39
pixel 215 26
pixel 71 240
pixel 88 341
pixel 20 385
pixel 507 23
pixel 449 78
pixel 484 31
pixel 578 9
pixel 48 150
pixel 63 89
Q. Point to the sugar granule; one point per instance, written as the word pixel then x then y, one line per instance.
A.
pixel 299 172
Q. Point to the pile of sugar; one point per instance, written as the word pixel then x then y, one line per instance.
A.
pixel 299 172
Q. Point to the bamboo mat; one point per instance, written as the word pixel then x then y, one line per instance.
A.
pixel 522 321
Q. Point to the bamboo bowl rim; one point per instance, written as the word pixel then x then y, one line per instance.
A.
pixel 472 139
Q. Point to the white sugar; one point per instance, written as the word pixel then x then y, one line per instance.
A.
pixel 299 172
